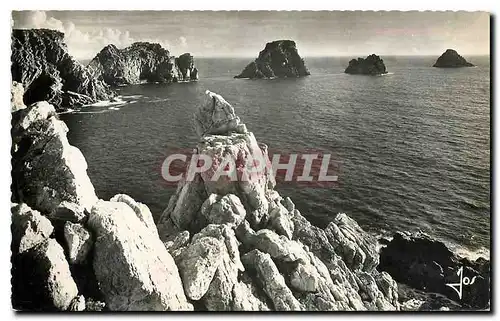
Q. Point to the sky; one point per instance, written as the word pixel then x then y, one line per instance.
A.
pixel 245 33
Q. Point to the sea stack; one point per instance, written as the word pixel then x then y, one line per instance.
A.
pixel 42 65
pixel 141 62
pixel 240 245
pixel 451 59
pixel 371 65
pixel 279 59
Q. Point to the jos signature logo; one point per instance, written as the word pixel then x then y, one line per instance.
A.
pixel 463 281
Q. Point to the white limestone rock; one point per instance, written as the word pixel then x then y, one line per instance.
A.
pixel 198 264
pixel 219 296
pixel 134 270
pixel 223 209
pixel 141 210
pixel 48 170
pixel 78 242
pixel 42 279
pixel 216 116
pixel 29 228
pixel 68 211
pixel 16 98
pixel 271 280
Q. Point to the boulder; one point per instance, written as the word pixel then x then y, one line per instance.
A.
pixel 280 220
pixel 176 241
pixel 78 241
pixel 68 212
pixel 141 210
pixel 371 65
pixel 223 209
pixel 46 169
pixel 29 228
pixel 357 248
pixel 16 96
pixel 247 297
pixel 197 265
pixel 451 59
pixel 182 212
pixel 267 241
pixel 279 59
pixel 305 278
pixel 41 279
pixel 220 296
pixel 134 269
pixel 271 281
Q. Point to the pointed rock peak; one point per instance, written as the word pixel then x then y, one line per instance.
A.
pixel 217 117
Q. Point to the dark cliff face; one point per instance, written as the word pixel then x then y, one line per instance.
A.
pixel 451 59
pixel 41 62
pixel 278 59
pixel 141 62
pixel 371 65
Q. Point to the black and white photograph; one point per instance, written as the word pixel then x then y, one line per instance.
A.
pixel 250 161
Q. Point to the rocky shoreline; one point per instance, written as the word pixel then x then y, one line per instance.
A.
pixel 141 62
pixel 43 66
pixel 218 246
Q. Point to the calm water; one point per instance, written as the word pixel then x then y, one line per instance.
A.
pixel 413 146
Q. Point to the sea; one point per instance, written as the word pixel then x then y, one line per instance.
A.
pixel 412 147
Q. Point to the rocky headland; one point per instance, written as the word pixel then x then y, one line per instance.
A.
pixel 141 62
pixel 451 59
pixel 220 245
pixel 371 65
pixel 47 72
pixel 279 59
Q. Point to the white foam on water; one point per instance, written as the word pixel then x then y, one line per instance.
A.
pixel 131 96
pixel 106 103
pixel 471 254
pixel 158 100
pixel 90 112
pixel 68 111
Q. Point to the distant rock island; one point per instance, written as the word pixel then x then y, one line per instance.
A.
pixel 372 65
pixel 451 59
pixel 279 59
pixel 141 62
pixel 42 64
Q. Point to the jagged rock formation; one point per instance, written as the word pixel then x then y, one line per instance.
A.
pixel 371 65
pixel 46 169
pixel 427 264
pixel 142 61
pixel 451 59
pixel 42 64
pixel 279 59
pixel 251 248
pixel 56 217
